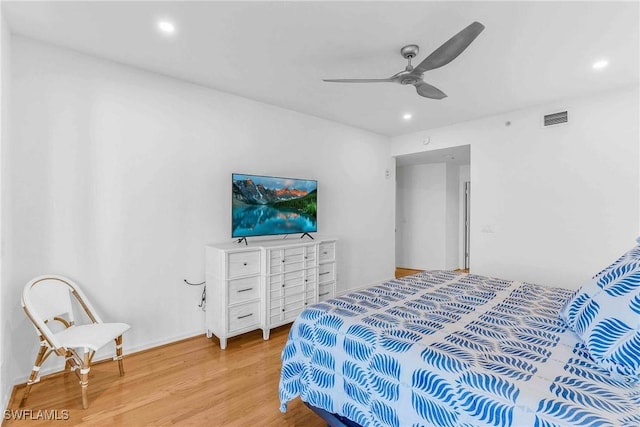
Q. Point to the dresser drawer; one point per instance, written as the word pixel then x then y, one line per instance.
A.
pixel 244 316
pixel 294 278
pixel 310 256
pixel 292 308
pixel 310 279
pixel 326 273
pixel 325 292
pixel 288 290
pixel 287 279
pixel 289 307
pixel 292 263
pixel 295 251
pixel 243 263
pixel 290 316
pixel 291 283
pixel 293 303
pixel 288 254
pixel 244 289
pixel 276 308
pixel 311 293
pixel 292 290
pixel 327 251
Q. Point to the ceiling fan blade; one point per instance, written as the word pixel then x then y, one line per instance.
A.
pixel 357 80
pixel 450 49
pixel 428 91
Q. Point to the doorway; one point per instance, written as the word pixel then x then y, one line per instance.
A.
pixel 433 210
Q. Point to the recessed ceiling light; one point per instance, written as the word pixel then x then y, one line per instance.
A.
pixel 407 116
pixel 166 27
pixel 600 64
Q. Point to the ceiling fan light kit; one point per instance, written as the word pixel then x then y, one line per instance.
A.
pixel 411 75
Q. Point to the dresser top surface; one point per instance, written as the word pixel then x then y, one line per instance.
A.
pixel 269 244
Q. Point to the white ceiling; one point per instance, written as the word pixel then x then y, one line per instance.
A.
pixel 278 52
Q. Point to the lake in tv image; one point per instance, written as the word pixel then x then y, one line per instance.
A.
pixel 266 205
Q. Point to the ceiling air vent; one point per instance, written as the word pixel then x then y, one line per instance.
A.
pixel 555 119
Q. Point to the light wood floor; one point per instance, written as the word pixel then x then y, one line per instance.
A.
pixel 402 271
pixel 191 382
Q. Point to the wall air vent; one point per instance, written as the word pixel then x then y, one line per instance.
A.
pixel 555 118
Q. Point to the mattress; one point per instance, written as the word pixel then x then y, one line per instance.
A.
pixel 451 349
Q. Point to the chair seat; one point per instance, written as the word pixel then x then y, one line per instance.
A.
pixel 91 336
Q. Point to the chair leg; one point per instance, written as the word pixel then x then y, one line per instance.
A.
pixel 40 358
pixel 84 378
pixel 119 354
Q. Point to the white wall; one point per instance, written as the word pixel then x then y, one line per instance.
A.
pixel 5 229
pixel 549 205
pixel 452 216
pixel 122 176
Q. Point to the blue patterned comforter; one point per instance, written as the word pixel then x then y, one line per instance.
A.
pixel 447 349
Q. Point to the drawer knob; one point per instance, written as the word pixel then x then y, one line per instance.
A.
pixel 283 310
pixel 245 264
pixel 282 260
pixel 283 285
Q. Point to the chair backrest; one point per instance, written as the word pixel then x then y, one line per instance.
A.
pixel 47 297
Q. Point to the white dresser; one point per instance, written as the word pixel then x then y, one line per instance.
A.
pixel 266 283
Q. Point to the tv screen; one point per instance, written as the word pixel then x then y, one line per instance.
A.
pixel 269 205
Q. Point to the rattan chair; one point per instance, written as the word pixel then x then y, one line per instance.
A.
pixel 48 298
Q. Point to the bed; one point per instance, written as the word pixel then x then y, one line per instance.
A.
pixel 451 349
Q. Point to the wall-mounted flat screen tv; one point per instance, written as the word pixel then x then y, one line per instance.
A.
pixel 269 205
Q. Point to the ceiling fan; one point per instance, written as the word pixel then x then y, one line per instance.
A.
pixel 438 58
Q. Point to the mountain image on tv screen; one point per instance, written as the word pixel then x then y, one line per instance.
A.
pixel 267 205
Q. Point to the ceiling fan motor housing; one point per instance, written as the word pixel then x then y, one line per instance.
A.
pixel 410 51
pixel 410 79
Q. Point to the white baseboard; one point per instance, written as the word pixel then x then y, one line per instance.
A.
pixel 108 354
pixel 158 343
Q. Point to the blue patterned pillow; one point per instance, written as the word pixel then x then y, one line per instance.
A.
pixel 605 313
